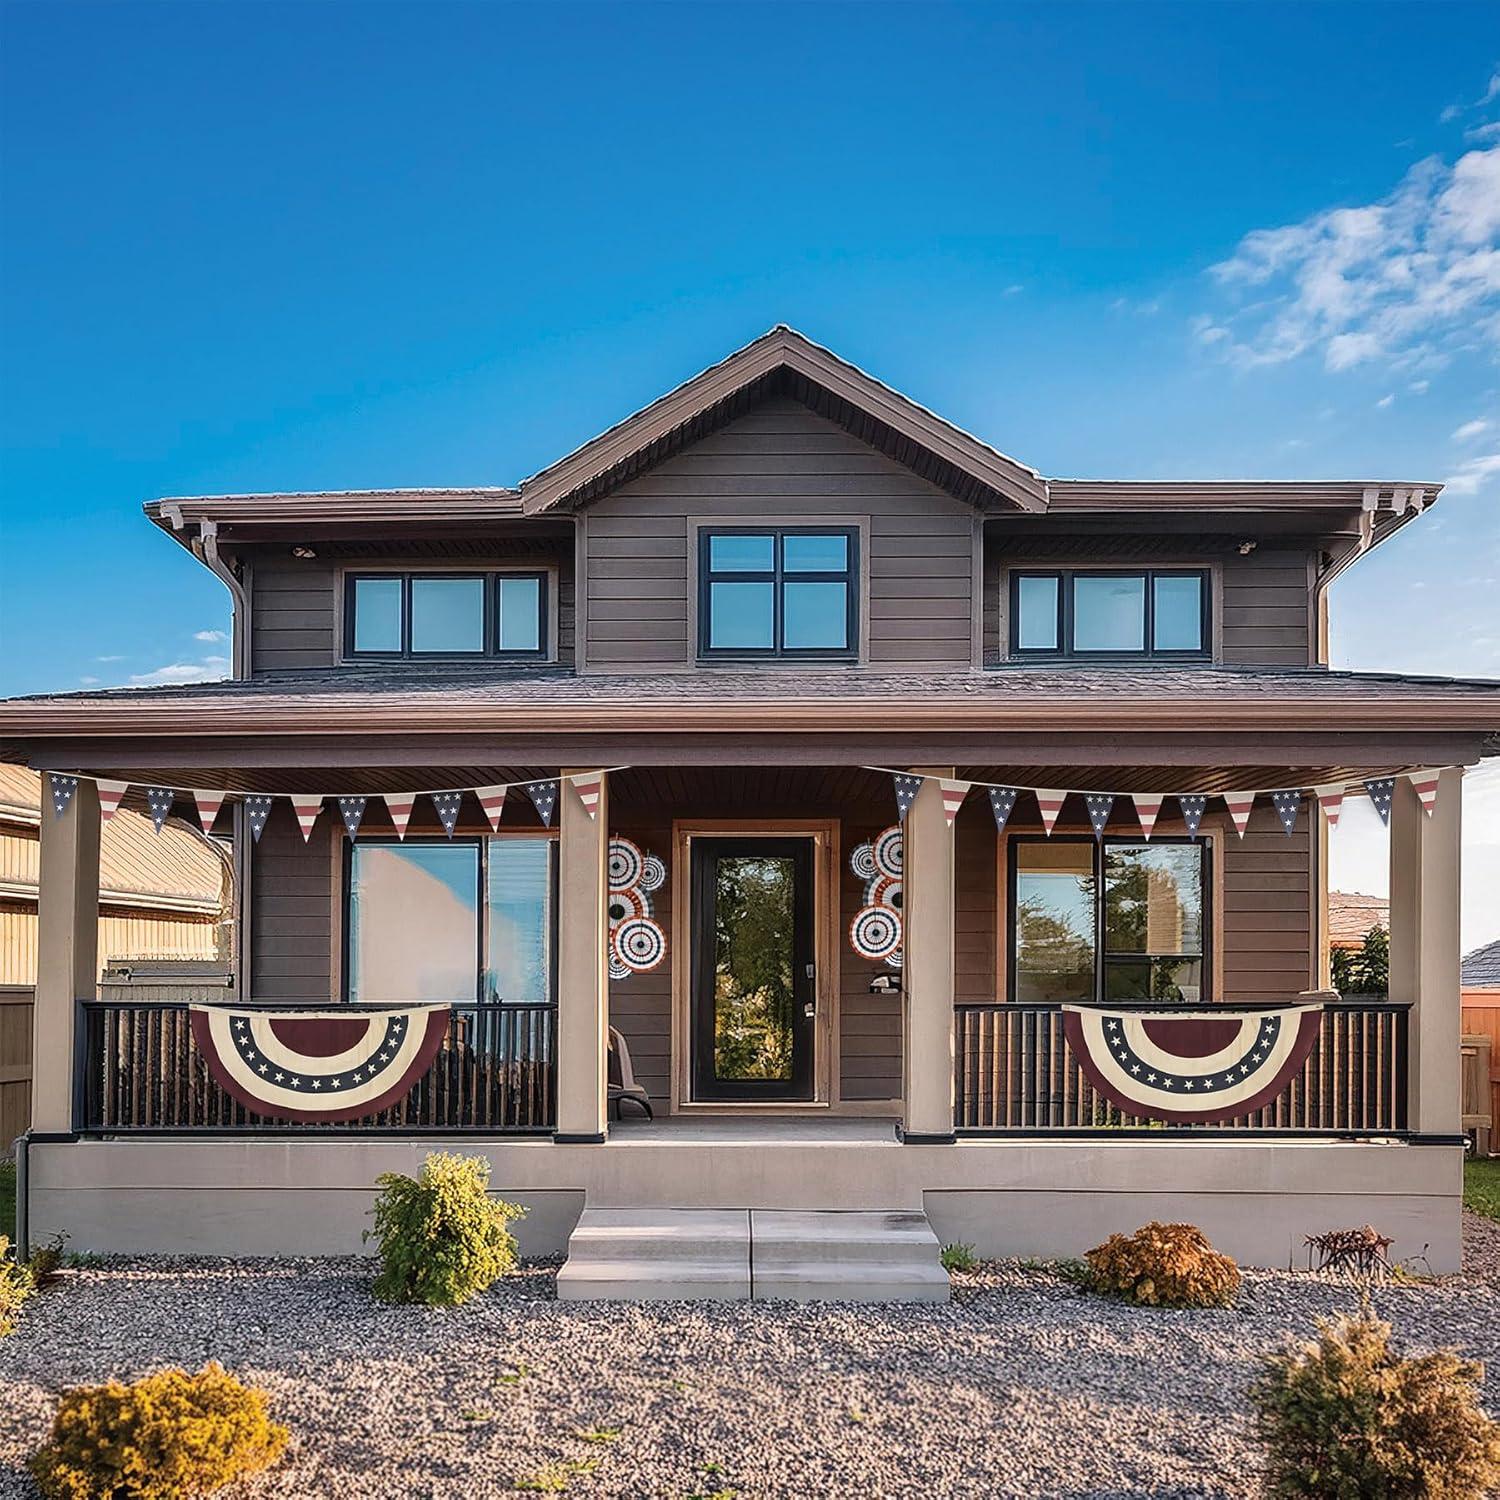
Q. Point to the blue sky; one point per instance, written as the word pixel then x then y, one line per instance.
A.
pixel 259 247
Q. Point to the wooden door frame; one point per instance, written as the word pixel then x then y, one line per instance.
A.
pixel 824 833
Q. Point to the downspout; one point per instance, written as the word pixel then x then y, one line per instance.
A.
pixel 23 1197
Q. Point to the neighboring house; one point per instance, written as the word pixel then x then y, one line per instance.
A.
pixel 1352 916
pixel 749 604
pixel 1480 970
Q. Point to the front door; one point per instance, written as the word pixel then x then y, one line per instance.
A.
pixel 754 976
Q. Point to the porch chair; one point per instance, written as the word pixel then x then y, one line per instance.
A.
pixel 622 1084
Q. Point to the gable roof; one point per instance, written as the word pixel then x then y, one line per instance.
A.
pixel 784 360
pixel 1352 914
pixel 1481 968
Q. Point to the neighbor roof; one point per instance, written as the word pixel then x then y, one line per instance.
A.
pixel 1481 969
pixel 1351 915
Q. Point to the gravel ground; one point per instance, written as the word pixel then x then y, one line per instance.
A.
pixel 1022 1386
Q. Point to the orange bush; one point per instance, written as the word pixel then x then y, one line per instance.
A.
pixel 1164 1265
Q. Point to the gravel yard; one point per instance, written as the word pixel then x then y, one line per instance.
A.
pixel 1022 1386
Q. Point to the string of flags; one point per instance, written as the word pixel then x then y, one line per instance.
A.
pixel 1100 806
pixel 448 805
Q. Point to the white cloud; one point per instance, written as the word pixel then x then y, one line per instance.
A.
pixel 1473 474
pixel 90 681
pixel 210 635
pixel 1386 400
pixel 1399 280
pixel 109 658
pixel 1011 291
pixel 209 669
pixel 1470 430
pixel 1419 387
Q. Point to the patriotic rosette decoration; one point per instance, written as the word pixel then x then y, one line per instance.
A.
pixel 1211 1064
pixel 876 930
pixel 637 942
pixel 340 1063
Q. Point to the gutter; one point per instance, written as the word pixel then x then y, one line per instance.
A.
pixel 205 547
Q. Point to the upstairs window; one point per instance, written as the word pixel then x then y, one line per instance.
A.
pixel 430 615
pixel 1153 612
pixel 777 591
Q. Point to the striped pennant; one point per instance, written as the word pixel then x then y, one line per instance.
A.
pixel 1147 809
pixel 589 788
pixel 399 806
pixel 492 800
pixel 954 793
pixel 209 804
pixel 1050 804
pixel 307 806
pixel 111 794
pixel 1425 784
pixel 1331 800
pixel 1239 805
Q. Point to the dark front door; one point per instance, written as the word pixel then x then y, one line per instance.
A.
pixel 754 981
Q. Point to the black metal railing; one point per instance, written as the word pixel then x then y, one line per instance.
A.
pixel 139 1069
pixel 1015 1072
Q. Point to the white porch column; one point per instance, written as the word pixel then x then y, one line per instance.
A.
pixel 67 949
pixel 582 966
pixel 1425 853
pixel 927 910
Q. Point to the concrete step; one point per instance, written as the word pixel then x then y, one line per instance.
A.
pixel 729 1255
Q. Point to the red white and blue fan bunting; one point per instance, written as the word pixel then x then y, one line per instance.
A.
pixel 889 846
pixel 862 861
pixel 639 944
pixel 1147 810
pixel 653 873
pixel 447 805
pixel 1287 805
pixel 543 796
pixel 875 932
pixel 624 863
pixel 1099 807
pixel 1381 791
pixel 906 788
pixel 208 804
pixel 1212 1065
pixel 318 1065
pixel 62 789
pixel 352 811
pixel 1192 808
pixel 257 810
pixel 1002 804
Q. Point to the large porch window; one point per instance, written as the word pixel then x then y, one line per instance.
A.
pixel 1110 919
pixel 451 920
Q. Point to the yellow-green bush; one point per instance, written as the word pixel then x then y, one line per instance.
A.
pixel 1343 1416
pixel 442 1237
pixel 161 1438
pixel 15 1287
pixel 1164 1265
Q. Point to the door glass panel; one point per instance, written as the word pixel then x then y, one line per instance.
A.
pixel 1054 922
pixel 754 968
pixel 447 614
pixel 1153 899
pixel 742 615
pixel 413 923
pixel 519 607
pixel 1178 621
pixel 808 552
pixel 521 894
pixel 734 552
pixel 815 616
pixel 1036 628
pixel 377 614
pixel 1109 614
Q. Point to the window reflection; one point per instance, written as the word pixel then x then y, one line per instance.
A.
pixel 1054 922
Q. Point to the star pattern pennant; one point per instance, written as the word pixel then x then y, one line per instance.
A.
pixel 257 810
pixel 159 803
pixel 1192 808
pixel 1099 805
pixel 1287 804
pixel 62 789
pixel 543 796
pixel 1002 804
pixel 352 811
pixel 906 787
pixel 1381 790
pixel 447 805
pixel 1147 810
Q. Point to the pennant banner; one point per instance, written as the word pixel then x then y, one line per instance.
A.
pixel 159 801
pixel 1287 805
pixel 352 811
pixel 398 806
pixel 1425 784
pixel 1050 804
pixel 1240 805
pixel 1003 804
pixel 543 796
pixel 111 794
pixel 208 804
pixel 447 805
pixel 906 787
pixel 1381 790
pixel 307 808
pixel 589 788
pixel 954 793
pixel 1099 806
pixel 1147 810
pixel 257 810
pixel 62 789
pixel 492 803
pixel 1192 808
pixel 1331 800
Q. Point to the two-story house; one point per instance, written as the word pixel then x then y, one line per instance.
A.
pixel 931 834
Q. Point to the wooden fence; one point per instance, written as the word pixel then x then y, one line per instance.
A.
pixel 1481 1023
pixel 16 1002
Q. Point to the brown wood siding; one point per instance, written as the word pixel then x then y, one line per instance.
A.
pixel 292 905
pixel 295 610
pixel 869 1025
pixel 1265 611
pixel 779 460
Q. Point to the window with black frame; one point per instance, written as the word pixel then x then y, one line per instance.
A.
pixel 1154 612
pixel 1110 919
pixel 435 615
pixel 777 592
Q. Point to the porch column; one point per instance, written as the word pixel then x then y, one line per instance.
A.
pixel 1425 854
pixel 67 967
pixel 582 966
pixel 927 909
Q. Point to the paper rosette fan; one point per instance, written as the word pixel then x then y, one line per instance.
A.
pixel 875 932
pixel 310 1065
pixel 639 944
pixel 1215 1063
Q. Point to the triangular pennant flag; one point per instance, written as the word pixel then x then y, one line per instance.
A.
pixel 111 794
pixel 399 806
pixel 492 800
pixel 1003 804
pixel 1331 800
pixel 447 805
pixel 1192 807
pixel 1050 804
pixel 257 810
pixel 307 806
pixel 906 788
pixel 62 789
pixel 954 793
pixel 209 804
pixel 1287 805
pixel 1148 808
pixel 1381 790
pixel 1239 805
pixel 159 801
pixel 588 788
pixel 1425 784
pixel 543 796
pixel 1099 805
pixel 352 810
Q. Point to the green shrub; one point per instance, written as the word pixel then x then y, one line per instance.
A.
pixel 442 1237
pixel 958 1257
pixel 1163 1265
pixel 169 1435
pixel 1342 1416
pixel 16 1286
